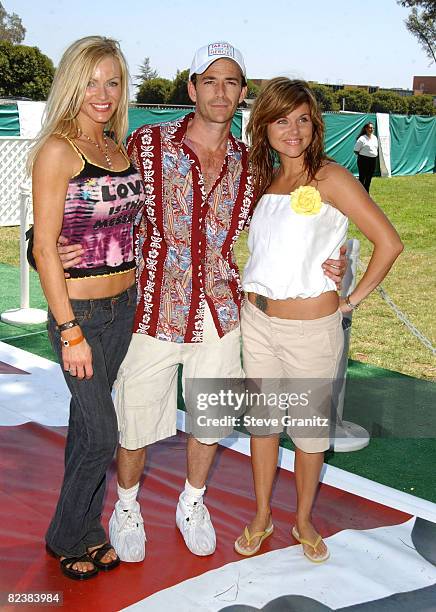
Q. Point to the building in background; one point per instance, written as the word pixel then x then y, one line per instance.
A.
pixel 424 85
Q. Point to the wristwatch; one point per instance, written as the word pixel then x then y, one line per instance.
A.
pixel 350 304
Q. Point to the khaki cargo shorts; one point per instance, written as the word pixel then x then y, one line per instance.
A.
pixel 146 386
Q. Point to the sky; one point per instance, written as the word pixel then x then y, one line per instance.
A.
pixel 335 41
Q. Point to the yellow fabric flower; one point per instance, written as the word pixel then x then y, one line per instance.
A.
pixel 306 201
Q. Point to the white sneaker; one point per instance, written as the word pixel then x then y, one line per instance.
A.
pixel 193 520
pixel 126 533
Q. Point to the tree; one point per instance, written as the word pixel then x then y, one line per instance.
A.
pixel 253 89
pixel 421 105
pixel 179 93
pixel 11 27
pixel 428 6
pixel 388 102
pixel 154 91
pixel 421 22
pixel 357 100
pixel 146 73
pixel 324 96
pixel 25 71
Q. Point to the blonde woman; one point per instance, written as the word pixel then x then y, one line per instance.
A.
pixel 85 188
pixel 291 321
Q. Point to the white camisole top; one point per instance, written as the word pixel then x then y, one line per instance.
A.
pixel 287 249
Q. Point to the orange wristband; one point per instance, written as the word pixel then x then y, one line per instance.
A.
pixel 73 342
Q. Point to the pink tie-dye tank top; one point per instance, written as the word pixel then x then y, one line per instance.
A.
pixel 101 208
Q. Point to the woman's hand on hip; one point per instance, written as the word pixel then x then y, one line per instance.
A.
pixel 77 360
pixel 343 306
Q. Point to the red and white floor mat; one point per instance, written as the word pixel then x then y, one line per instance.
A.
pixel 366 526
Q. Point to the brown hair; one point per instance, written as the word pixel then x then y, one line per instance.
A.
pixel 278 98
pixel 363 130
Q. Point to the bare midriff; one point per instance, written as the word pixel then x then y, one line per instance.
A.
pixel 297 308
pixel 98 287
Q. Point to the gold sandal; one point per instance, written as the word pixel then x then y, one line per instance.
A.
pixel 313 558
pixel 259 534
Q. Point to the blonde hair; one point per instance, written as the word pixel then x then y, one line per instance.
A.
pixel 278 98
pixel 69 87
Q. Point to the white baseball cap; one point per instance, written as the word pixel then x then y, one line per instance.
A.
pixel 206 55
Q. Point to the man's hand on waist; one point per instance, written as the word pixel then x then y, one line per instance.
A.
pixel 69 254
pixel 336 268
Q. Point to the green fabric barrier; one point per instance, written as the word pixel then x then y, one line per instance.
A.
pixel 413 144
pixel 148 116
pixel 9 121
pixel 342 131
pixel 237 125
pixel 413 139
pixel 10 124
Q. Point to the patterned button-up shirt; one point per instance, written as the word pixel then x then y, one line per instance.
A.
pixel 184 240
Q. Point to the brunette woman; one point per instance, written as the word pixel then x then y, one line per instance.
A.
pixel 291 322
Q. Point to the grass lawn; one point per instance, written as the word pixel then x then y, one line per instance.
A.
pixel 378 337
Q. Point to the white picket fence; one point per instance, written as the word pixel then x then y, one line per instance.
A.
pixel 13 155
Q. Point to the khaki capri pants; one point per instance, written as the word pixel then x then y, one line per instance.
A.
pixel 291 375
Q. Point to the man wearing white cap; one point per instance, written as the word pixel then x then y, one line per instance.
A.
pixel 199 198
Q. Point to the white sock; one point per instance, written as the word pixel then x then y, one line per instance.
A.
pixel 192 493
pixel 127 497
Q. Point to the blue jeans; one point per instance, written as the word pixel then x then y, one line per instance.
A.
pixel 93 431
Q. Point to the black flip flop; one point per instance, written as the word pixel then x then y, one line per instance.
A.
pixel 97 554
pixel 70 572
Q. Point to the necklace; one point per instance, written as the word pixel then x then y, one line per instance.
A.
pixel 105 153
